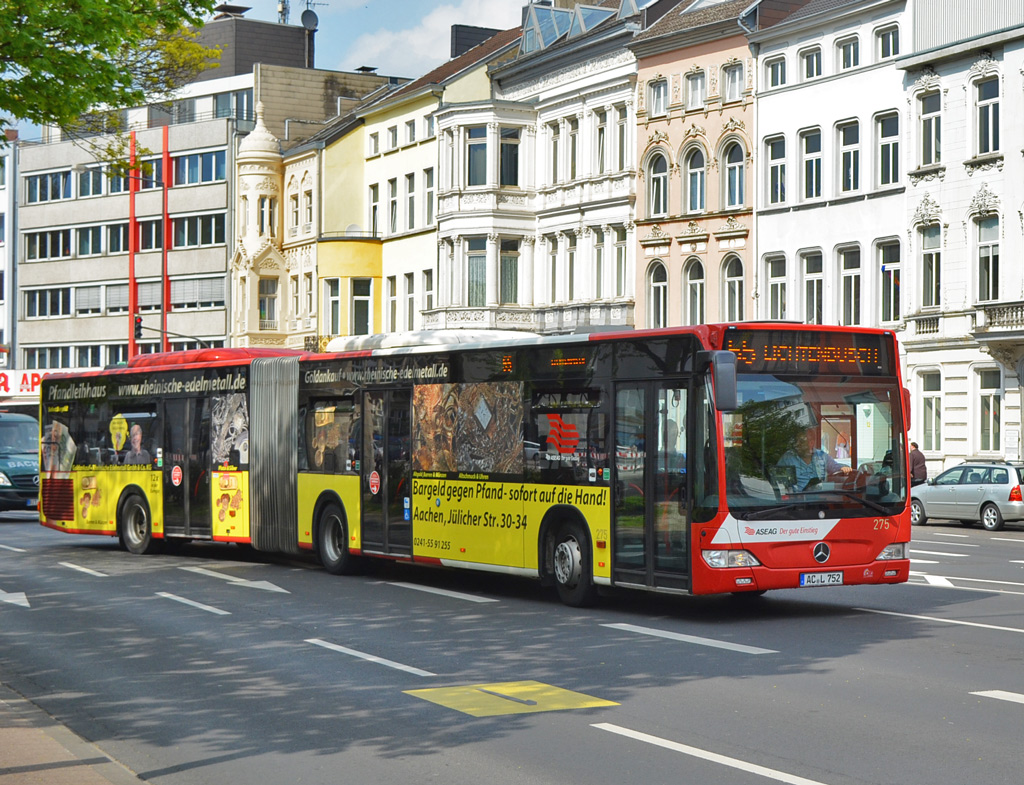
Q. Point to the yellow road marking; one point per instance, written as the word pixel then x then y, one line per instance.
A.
pixel 510 697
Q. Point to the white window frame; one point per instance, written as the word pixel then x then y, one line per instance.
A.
pixel 887 42
pixel 929 113
pixel 810 169
pixel 810 64
pixel 775 72
pixel 848 138
pixel 888 137
pixel 732 83
pixel 987 117
pixel 696 90
pixel 657 93
pixel 851 272
pixel 775 268
pixel 987 257
pixel 657 188
pixel 931 409
pixel 930 243
pixel 657 295
pixel 696 181
pixel 848 53
pixel 813 264
pixel 890 266
pixel 990 409
pixel 775 157
pixel 695 292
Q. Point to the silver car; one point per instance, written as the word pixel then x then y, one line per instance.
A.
pixel 989 492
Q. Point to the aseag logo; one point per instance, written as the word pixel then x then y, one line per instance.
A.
pixel 563 435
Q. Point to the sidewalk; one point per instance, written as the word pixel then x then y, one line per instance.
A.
pixel 37 750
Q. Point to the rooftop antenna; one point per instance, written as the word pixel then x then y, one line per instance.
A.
pixel 283 7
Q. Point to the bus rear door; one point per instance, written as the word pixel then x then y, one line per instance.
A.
pixel 650 519
pixel 186 472
pixel 387 472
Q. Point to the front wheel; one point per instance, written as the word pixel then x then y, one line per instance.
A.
pixel 571 561
pixel 134 525
pixel 332 542
pixel 917 516
pixel 991 518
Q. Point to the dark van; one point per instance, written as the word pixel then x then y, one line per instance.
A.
pixel 19 462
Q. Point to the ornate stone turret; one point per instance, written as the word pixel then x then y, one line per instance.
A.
pixel 260 183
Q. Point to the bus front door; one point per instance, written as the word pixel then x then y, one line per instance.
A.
pixel 651 533
pixel 386 472
pixel 186 455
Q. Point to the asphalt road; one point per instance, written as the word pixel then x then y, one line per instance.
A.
pixel 218 665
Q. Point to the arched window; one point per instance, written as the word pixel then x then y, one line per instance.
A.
pixel 658 185
pixel 734 175
pixel 734 290
pixel 695 182
pixel 657 304
pixel 694 302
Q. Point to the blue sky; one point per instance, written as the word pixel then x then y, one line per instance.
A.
pixel 399 37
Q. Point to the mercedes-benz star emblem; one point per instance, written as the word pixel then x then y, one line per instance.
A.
pixel 35 479
pixel 821 552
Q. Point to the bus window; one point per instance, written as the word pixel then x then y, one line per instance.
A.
pixel 229 430
pixel 329 437
pixel 568 430
pixel 92 427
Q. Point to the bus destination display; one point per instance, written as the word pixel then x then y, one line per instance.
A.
pixel 806 352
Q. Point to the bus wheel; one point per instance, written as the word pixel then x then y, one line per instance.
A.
pixel 572 567
pixel 134 527
pixel 332 542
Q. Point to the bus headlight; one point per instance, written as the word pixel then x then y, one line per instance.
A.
pixel 720 559
pixel 898 550
pixel 5 480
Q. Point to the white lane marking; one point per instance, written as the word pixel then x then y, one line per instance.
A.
pixel 1002 695
pixel 947 534
pixel 1016 561
pixel 933 542
pixel 264 585
pixel 957 622
pixel 12 548
pixel 443 592
pixel 86 570
pixel 971 580
pixel 938 580
pixel 675 636
pixel 369 657
pixel 1006 539
pixel 923 561
pixel 712 757
pixel 193 603
pixel 938 553
pixel 14 598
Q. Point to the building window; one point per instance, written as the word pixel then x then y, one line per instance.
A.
pixel 476 155
pixel 814 289
pixel 267 216
pixel 555 141
pixel 694 302
pixel 476 272
pixel 620 261
pixel 929 108
pixel 90 241
pixel 734 175
pixel 849 262
pixel 848 51
pixel 237 104
pixel 410 301
pixel 362 306
pixel 410 131
pixel 776 171
pixel 657 296
pixel 374 207
pixel 428 196
pixel 811 61
pixel 54 244
pixel 553 268
pixel 776 72
pixel 117 238
pixel 574 146
pixel 151 174
pixel 734 300
pixel 732 78
pixel 307 289
pixel 198 230
pixel 90 182
pixel 696 91
pixel 307 207
pixel 196 293
pixel 48 187
pixel 268 303
pixel 931 388
pixel 199 168
pixel 888 42
pixel 849 157
pixel 509 168
pixel 988 116
pixel 294 286
pixel 777 288
pixel 151 235
pixel 601 142
pixel 89 356
pixel 393 205
pixel 657 176
pixel 392 137
pixel 991 385
pixel 695 180
pixel 428 290
pixel 47 303
pixel 293 212
pixel 428 127
pixel 48 357
pixel 508 284
pixel 332 307
pixel 622 134
pixel 658 98
pixel 410 201
pixel 598 264
pixel 988 259
pixel 374 144
pixel 931 258
pixel 810 143
pixel 888 149
pixel 889 257
pixel 392 284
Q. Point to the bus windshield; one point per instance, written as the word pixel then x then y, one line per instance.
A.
pixel 801 447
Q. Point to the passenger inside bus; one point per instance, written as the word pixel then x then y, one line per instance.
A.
pixel 136 455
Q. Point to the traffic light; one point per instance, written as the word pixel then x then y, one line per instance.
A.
pixel 138 327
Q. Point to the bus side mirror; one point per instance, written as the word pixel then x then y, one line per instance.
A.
pixel 906 409
pixel 723 374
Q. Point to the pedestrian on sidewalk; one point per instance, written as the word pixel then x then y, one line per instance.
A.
pixel 918 466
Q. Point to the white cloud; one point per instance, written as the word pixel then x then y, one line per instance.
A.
pixel 413 51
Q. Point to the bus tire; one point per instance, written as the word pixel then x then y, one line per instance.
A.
pixel 570 559
pixel 135 526
pixel 332 541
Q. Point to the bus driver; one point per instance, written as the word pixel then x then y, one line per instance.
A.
pixel 811 463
